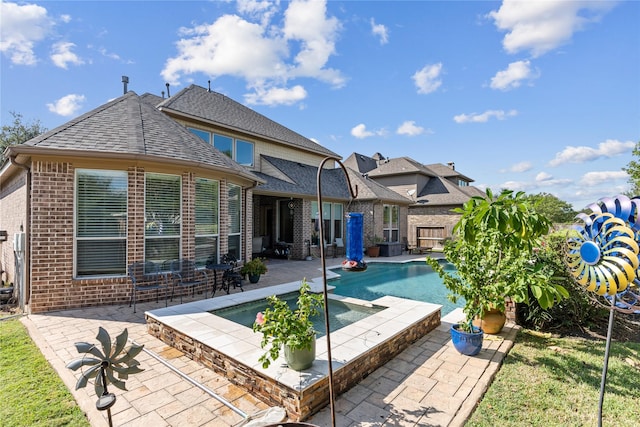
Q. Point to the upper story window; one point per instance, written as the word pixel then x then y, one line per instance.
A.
pixel 462 183
pixel 100 222
pixel 239 150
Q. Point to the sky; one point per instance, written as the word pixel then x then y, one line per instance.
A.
pixel 535 96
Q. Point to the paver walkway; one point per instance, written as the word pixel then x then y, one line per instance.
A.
pixel 429 384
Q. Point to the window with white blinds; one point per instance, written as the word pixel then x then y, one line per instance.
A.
pixel 100 222
pixel 162 212
pixel 207 221
pixel 234 194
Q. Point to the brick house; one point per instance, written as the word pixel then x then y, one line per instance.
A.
pixel 434 190
pixel 192 176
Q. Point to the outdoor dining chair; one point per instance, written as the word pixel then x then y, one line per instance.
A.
pixel 232 276
pixel 146 276
pixel 185 274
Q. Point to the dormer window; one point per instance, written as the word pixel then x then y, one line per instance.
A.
pixel 237 149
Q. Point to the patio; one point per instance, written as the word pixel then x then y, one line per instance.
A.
pixel 427 384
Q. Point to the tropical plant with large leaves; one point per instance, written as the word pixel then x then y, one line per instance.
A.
pixel 113 360
pixel 493 250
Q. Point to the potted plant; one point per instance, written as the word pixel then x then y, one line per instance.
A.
pixel 290 329
pixel 493 252
pixel 373 250
pixel 253 269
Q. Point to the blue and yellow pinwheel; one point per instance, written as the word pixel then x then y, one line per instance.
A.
pixel 603 256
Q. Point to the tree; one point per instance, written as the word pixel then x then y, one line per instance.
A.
pixel 633 169
pixel 18 132
pixel 556 210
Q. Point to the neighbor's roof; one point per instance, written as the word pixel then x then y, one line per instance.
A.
pixel 441 191
pixel 214 108
pixel 130 127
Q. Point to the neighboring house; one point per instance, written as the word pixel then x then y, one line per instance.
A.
pixel 133 180
pixel 434 190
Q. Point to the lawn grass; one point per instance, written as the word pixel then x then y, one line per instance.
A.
pixel 550 381
pixel 31 393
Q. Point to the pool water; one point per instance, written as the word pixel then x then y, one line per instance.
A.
pixel 412 280
pixel 341 314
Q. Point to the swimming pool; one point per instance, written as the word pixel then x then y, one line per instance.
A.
pixel 411 280
pixel 341 313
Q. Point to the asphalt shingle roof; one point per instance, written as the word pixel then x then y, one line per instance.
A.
pixel 130 126
pixel 218 109
pixel 301 180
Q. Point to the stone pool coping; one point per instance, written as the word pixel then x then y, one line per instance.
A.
pixel 233 349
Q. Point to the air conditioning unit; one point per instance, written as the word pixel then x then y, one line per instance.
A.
pixel 19 240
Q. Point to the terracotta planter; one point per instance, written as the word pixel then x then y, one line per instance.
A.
pixel 373 251
pixel 492 322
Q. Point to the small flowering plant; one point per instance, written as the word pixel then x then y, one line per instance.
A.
pixel 282 325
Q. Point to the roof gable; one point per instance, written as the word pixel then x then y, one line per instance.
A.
pixel 130 126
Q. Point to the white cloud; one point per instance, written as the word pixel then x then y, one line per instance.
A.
pixel 276 96
pixel 521 167
pixel 604 177
pixel 427 79
pixel 582 154
pixel 265 55
pixel 484 117
pixel 543 176
pixel 62 55
pixel 541 26
pixel 259 10
pixel 517 185
pixel 21 27
pixel 410 128
pixel 381 31
pixel 360 131
pixel 67 105
pixel 512 77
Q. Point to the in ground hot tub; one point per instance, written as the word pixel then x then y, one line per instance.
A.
pixel 232 349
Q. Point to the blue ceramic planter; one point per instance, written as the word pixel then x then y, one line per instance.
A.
pixel 467 343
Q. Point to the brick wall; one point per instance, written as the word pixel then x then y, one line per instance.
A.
pixel 53 286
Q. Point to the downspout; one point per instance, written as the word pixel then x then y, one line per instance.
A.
pixel 27 258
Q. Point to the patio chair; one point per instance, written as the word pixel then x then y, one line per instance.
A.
pixel 145 276
pixel 232 276
pixel 185 274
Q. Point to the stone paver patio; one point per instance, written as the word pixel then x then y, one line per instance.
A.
pixel 429 384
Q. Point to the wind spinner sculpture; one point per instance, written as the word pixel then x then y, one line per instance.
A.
pixel 603 257
pixel 103 364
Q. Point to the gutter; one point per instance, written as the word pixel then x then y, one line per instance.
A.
pixel 27 258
